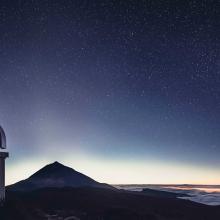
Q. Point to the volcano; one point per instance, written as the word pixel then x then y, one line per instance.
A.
pixel 56 175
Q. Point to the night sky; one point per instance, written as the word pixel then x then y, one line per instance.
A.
pixel 123 91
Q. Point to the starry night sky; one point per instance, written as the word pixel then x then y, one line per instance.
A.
pixel 120 90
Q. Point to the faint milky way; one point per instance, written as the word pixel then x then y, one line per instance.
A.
pixel 135 81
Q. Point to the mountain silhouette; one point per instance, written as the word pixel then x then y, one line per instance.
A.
pixel 60 192
pixel 56 175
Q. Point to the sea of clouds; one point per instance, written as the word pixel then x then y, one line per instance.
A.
pixel 209 195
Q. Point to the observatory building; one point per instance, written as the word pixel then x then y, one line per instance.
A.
pixel 3 156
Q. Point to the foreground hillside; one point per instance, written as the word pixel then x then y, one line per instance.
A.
pixel 100 204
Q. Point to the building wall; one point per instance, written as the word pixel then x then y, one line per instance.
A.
pixel 2 179
pixel 3 156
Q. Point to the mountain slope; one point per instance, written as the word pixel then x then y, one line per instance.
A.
pixel 90 203
pixel 56 175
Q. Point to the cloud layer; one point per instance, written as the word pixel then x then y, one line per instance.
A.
pixel 209 195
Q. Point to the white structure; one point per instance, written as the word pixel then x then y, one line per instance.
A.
pixel 3 156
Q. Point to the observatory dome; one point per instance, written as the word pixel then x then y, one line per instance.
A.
pixel 2 139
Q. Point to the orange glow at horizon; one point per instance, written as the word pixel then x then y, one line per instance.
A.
pixel 204 189
pixel 120 171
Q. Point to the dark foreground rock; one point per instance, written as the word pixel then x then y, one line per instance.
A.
pixel 100 204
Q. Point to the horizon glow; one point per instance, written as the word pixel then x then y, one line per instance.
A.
pixel 116 172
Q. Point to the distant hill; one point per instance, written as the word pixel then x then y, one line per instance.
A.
pixel 56 175
pixel 162 194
